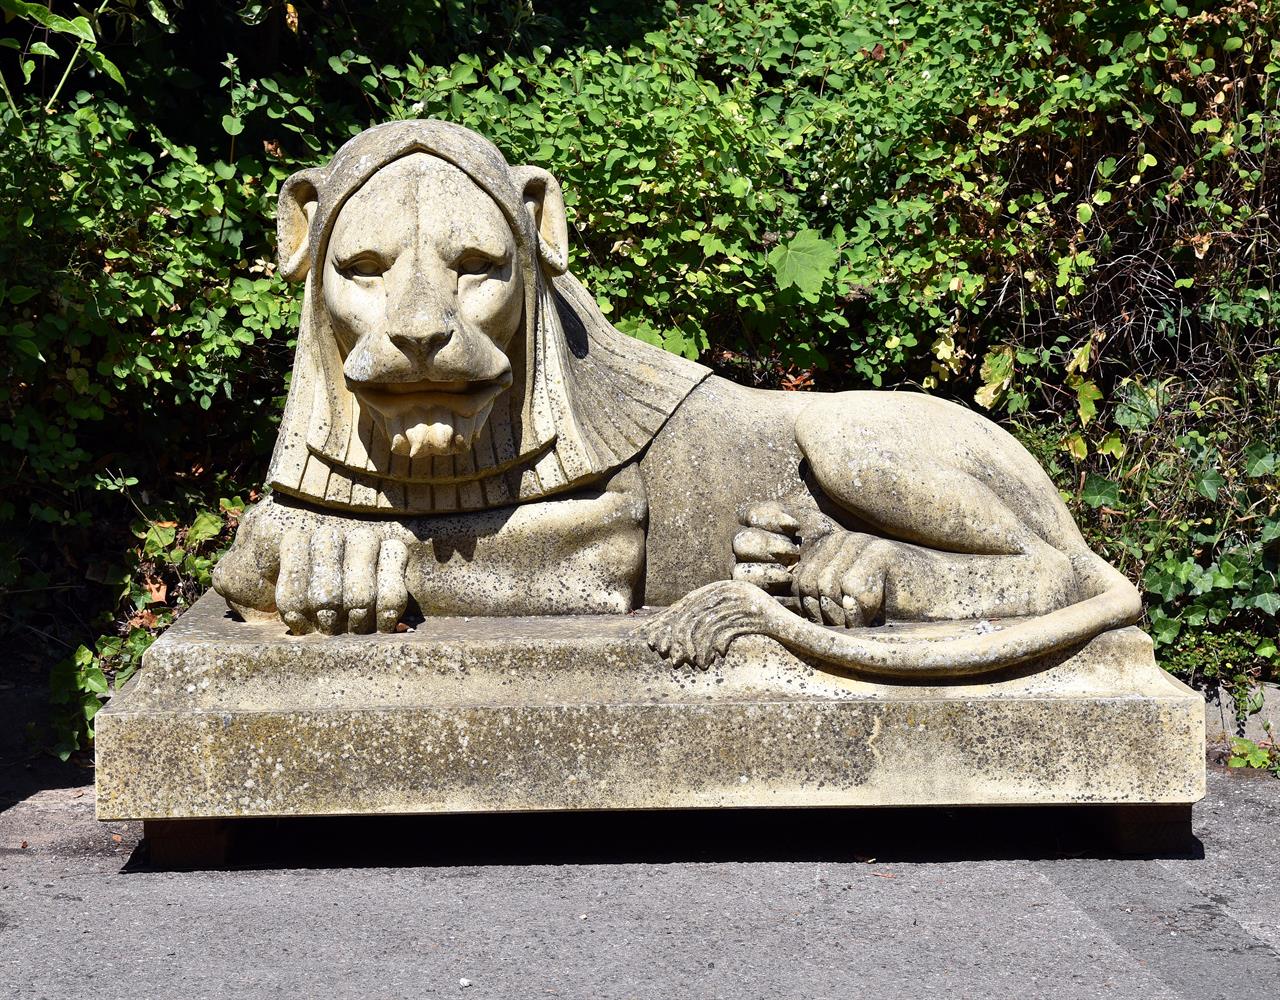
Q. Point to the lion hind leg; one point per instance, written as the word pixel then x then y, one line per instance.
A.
pixel 933 474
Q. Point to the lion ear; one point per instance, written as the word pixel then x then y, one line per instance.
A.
pixel 545 204
pixel 298 200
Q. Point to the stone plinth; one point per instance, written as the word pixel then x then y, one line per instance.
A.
pixel 234 719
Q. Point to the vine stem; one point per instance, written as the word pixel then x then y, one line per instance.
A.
pixel 74 56
pixel 8 96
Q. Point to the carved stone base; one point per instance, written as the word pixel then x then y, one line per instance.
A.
pixel 233 719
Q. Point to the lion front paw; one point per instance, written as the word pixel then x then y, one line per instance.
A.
pixel 318 572
pixel 335 581
pixel 700 627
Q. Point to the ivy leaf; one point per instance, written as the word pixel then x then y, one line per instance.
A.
pixel 1209 482
pixel 997 374
pixel 1268 603
pixel 95 680
pixel 806 262
pixel 1259 460
pixel 1164 629
pixel 1112 445
pixel 1100 492
pixel 232 125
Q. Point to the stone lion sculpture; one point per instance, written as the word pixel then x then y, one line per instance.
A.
pixel 465 432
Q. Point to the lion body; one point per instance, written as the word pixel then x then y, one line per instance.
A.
pixel 467 432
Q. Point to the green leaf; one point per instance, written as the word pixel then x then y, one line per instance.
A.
pixel 1100 492
pixel 158 538
pixel 105 65
pixel 95 680
pixel 1259 460
pixel 1084 214
pixel 41 49
pixel 806 262
pixel 1248 754
pixel 1268 603
pixel 77 27
pixel 1209 482
pixel 232 125
pixel 206 525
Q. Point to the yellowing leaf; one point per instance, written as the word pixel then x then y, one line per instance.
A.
pixel 1112 445
pixel 997 374
pixel 1087 396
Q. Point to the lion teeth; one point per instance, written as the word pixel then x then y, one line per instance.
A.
pixel 433 430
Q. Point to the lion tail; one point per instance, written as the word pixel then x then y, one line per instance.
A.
pixel 1115 603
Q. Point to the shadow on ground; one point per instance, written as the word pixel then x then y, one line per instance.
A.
pixel 662 837
pixel 25 766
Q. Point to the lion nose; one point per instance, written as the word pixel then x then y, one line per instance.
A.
pixel 419 348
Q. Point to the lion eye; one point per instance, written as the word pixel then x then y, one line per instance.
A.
pixel 476 263
pixel 363 266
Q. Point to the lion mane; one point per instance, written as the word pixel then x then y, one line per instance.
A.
pixel 586 398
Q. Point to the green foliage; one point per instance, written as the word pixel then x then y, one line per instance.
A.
pixel 1064 213
pixel 169 567
pixel 1247 753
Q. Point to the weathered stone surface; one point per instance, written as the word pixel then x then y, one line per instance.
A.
pixel 241 719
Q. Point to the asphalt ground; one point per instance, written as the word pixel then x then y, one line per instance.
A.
pixel 813 904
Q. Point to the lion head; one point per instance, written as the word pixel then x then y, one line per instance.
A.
pixel 446 360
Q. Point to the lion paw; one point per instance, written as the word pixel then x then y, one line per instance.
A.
pixel 318 573
pixel 333 581
pixel 841 580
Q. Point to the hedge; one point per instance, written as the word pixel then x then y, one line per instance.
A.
pixel 1064 214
